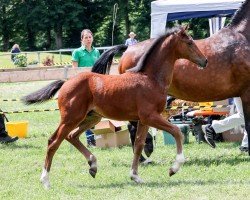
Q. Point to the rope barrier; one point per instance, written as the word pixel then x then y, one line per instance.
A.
pixel 10 99
pixel 27 111
pixel 64 63
pixel 167 108
pixel 194 107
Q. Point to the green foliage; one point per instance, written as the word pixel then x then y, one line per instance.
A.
pixel 20 60
pixel 46 24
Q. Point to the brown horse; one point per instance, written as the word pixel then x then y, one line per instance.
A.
pixel 86 98
pixel 228 71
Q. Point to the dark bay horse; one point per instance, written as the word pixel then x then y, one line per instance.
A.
pixel 228 71
pixel 86 98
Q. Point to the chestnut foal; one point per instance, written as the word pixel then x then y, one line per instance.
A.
pixel 86 98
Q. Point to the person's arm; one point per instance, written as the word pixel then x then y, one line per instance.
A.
pixel 74 64
pixel 75 59
pixel 126 42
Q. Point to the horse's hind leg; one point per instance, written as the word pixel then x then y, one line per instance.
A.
pixel 91 120
pixel 141 135
pixel 157 121
pixel 53 144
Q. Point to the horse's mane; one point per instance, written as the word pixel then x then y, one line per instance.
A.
pixel 141 64
pixel 240 14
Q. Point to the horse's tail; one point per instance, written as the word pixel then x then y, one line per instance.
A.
pixel 103 64
pixel 43 94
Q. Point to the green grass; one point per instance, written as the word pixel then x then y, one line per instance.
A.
pixel 221 173
pixel 5 61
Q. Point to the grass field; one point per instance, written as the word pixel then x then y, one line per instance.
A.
pixel 221 173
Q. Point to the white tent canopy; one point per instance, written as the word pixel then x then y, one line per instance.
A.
pixel 169 10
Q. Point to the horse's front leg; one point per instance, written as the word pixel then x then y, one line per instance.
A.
pixel 156 120
pixel 140 139
pixel 246 110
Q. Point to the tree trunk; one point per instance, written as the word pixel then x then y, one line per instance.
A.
pixel 58 32
pixel 126 11
pixel 5 32
pixel 48 39
pixel 31 38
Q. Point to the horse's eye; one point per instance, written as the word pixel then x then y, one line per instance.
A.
pixel 190 43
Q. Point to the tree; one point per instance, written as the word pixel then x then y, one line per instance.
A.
pixel 6 19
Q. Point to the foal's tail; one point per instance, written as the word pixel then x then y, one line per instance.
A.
pixel 43 94
pixel 103 64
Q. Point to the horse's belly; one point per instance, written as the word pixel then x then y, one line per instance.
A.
pixel 117 114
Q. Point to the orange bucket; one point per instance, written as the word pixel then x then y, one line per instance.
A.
pixel 19 128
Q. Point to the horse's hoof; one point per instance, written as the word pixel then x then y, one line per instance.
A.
pixel 93 166
pixel 93 172
pixel 45 183
pixel 137 179
pixel 171 172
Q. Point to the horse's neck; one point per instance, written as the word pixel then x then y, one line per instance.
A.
pixel 241 21
pixel 160 68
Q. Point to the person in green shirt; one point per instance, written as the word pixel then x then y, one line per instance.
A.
pixel 86 56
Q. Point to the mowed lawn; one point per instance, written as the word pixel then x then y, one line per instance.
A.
pixel 221 173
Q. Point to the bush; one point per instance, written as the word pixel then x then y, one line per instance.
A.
pixel 20 60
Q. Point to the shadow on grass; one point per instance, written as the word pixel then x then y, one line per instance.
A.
pixel 154 184
pixel 18 146
pixel 233 160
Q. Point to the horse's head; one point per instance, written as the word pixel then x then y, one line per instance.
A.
pixel 187 48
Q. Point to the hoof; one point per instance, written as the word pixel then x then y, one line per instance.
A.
pixel 93 172
pixel 171 172
pixel 93 166
pixel 45 183
pixel 136 179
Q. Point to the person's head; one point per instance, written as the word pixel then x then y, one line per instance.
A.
pixel 132 35
pixel 86 37
pixel 15 46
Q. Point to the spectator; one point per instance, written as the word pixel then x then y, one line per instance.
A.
pixel 219 126
pixel 131 40
pixel 4 137
pixel 14 51
pixel 85 56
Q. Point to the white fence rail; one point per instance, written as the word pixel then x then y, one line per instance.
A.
pixel 38 61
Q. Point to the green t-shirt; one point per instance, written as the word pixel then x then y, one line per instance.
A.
pixel 84 57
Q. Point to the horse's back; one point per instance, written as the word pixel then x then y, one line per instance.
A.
pixel 132 55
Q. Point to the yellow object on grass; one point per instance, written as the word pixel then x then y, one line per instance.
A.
pixel 19 128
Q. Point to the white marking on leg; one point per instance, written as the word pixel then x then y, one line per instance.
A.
pixel 179 161
pixel 135 177
pixel 45 179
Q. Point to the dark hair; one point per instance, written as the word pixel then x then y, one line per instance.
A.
pixel 85 31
